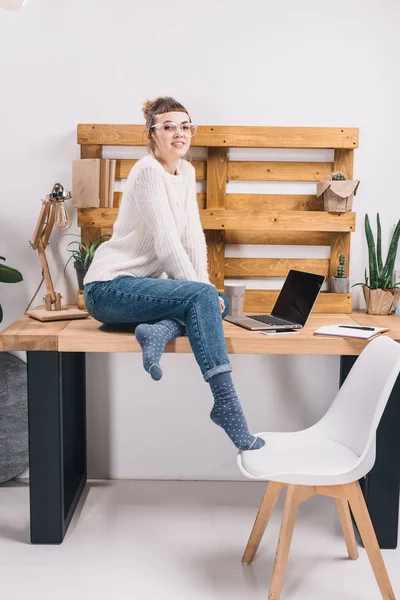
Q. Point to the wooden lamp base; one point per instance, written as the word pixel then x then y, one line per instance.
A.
pixel 68 312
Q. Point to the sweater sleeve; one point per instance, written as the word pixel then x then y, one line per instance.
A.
pixel 193 237
pixel 152 203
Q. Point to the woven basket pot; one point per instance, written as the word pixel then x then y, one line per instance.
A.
pixel 381 302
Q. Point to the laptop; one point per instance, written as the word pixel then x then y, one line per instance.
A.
pixel 292 307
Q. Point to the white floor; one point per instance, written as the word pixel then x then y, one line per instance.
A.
pixel 178 541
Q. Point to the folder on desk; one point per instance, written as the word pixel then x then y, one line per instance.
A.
pixel 350 331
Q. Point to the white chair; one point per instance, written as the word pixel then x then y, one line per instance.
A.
pixel 328 458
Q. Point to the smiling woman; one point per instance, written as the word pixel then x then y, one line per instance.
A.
pixel 153 273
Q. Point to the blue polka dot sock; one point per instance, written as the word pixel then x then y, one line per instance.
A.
pixel 153 339
pixel 228 414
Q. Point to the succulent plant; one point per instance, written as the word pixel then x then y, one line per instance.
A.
pixel 84 252
pixel 338 176
pixel 380 275
pixel 341 265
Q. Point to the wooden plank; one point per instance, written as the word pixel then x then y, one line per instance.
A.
pixel 273 202
pixel 30 334
pixel 89 234
pixel 275 220
pixel 274 267
pixel 117 199
pixel 218 219
pixel 124 165
pixel 340 242
pixel 97 217
pixel 263 301
pixel 89 335
pixel 279 238
pixel 91 151
pixel 215 198
pixel 216 177
pixel 390 321
pixel 228 136
pixel 278 171
pixel 215 241
pixel 201 200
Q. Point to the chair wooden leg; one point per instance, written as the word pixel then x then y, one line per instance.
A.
pixel 295 494
pixel 264 513
pixel 347 527
pixel 365 527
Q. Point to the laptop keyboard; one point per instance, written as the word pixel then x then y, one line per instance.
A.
pixel 269 320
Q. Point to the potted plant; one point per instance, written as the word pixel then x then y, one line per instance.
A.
pixel 8 275
pixel 83 254
pixel 337 192
pixel 340 283
pixel 381 293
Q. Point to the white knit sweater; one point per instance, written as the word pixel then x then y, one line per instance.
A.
pixel 158 231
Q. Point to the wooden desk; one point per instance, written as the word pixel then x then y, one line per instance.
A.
pixel 57 408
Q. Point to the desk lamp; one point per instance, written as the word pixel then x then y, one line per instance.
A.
pixel 53 212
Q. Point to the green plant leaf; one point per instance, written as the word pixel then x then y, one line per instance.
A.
pixel 379 245
pixel 9 275
pixel 371 254
pixel 392 253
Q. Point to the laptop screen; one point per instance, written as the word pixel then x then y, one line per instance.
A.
pixel 297 296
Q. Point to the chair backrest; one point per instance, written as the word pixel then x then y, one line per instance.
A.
pixel 354 415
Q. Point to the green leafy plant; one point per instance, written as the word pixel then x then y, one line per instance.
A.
pixel 380 275
pixel 8 275
pixel 83 252
pixel 338 176
pixel 341 266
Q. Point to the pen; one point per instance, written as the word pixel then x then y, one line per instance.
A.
pixel 354 327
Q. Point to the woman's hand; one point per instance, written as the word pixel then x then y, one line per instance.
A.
pixel 222 304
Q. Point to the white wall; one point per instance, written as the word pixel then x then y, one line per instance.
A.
pixel 283 63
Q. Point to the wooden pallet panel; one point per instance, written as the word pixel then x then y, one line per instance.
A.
pixel 228 136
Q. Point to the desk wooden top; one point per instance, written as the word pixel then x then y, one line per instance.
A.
pixel 88 335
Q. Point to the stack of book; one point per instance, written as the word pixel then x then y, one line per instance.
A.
pixel 93 183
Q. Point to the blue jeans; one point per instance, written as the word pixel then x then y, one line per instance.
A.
pixel 134 300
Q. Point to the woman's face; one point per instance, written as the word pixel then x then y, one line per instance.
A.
pixel 172 143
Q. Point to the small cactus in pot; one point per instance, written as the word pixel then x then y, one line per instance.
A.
pixel 339 283
pixel 338 176
pixel 337 192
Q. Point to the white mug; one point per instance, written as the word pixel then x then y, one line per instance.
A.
pixel 235 294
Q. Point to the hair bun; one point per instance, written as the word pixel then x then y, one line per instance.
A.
pixel 147 105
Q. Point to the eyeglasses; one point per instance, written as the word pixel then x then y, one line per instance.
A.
pixel 170 128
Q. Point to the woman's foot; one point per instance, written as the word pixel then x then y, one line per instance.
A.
pixel 228 414
pixel 153 339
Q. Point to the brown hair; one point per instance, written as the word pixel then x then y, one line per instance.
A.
pixel 158 106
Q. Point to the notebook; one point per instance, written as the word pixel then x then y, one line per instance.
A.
pixel 353 331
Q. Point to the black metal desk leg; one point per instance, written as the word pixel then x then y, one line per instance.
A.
pixel 381 487
pixel 57 441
